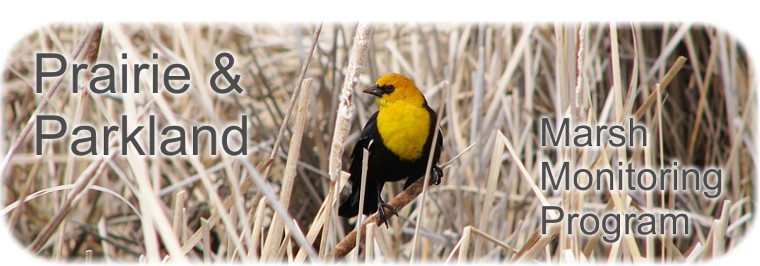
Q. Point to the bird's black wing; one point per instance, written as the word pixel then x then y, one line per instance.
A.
pixel 350 207
pixel 368 136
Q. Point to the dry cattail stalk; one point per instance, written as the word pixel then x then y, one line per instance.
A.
pixel 346 108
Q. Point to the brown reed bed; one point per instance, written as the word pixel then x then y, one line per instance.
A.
pixel 690 84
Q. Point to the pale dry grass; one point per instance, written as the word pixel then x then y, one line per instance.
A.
pixel 691 85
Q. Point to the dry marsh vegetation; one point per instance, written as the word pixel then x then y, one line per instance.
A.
pixel 691 85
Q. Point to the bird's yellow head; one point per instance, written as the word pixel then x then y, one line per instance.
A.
pixel 396 88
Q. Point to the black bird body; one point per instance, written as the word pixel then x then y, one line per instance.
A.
pixel 383 166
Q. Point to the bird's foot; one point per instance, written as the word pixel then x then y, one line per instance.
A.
pixel 436 175
pixel 381 216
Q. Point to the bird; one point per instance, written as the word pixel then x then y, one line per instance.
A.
pixel 398 138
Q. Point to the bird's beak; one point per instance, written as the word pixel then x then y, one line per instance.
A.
pixel 374 90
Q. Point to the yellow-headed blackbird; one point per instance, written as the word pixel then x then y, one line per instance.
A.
pixel 398 138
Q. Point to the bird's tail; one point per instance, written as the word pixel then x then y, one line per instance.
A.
pixel 350 207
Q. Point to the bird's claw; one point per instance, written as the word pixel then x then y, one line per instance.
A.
pixel 437 175
pixel 381 217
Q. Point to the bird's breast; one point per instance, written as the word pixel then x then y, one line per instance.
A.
pixel 404 129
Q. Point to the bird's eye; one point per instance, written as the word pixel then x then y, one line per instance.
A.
pixel 388 88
